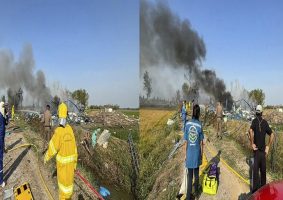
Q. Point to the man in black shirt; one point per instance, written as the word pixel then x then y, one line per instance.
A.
pixel 258 130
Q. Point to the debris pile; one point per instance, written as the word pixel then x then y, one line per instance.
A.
pixel 30 115
pixel 78 118
pixel 103 138
pixel 170 122
pixel 274 116
pixel 113 119
pixel 94 136
pixel 208 117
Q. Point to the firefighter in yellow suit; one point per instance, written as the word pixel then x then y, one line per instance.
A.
pixel 13 112
pixel 188 107
pixel 63 144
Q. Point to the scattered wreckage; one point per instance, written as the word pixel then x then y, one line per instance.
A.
pixel 113 119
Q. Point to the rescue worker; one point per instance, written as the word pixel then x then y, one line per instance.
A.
pixel 184 114
pixel 13 112
pixel 194 150
pixel 3 123
pixel 46 120
pixel 63 144
pixel 219 117
pixel 188 108
pixel 258 130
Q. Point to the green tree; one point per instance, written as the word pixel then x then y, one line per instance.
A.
pixel 81 96
pixel 257 96
pixel 3 98
pixel 147 84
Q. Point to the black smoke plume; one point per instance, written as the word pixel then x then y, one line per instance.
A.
pixel 167 40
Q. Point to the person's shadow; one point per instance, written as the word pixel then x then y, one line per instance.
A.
pixel 15 164
pixel 11 146
pixel 245 196
pixel 215 159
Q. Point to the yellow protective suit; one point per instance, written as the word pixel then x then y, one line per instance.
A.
pixel 62 111
pixel 13 112
pixel 188 107
pixel 63 144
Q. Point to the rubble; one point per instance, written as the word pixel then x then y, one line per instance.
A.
pixel 103 138
pixel 30 115
pixel 109 110
pixel 94 137
pixel 170 122
pixel 105 145
pixel 73 118
pixel 113 119
pixel 273 116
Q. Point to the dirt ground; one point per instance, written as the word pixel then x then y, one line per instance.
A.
pixel 21 166
pixel 230 186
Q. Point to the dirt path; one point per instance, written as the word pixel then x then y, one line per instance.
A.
pixel 168 182
pixel 21 166
pixel 230 186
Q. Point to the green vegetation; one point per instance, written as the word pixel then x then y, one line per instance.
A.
pixel 257 95
pixel 122 133
pixel 238 143
pixel 114 107
pixel 81 96
pixel 155 145
pixel 131 113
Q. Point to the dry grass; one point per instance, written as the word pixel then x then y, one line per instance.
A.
pixel 154 146
pixel 238 134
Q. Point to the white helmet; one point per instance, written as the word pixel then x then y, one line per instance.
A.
pixel 258 109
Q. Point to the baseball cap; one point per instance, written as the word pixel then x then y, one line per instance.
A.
pixel 258 109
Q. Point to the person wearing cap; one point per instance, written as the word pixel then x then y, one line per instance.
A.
pixel 3 124
pixel 258 130
pixel 219 117
pixel 13 112
pixel 63 144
